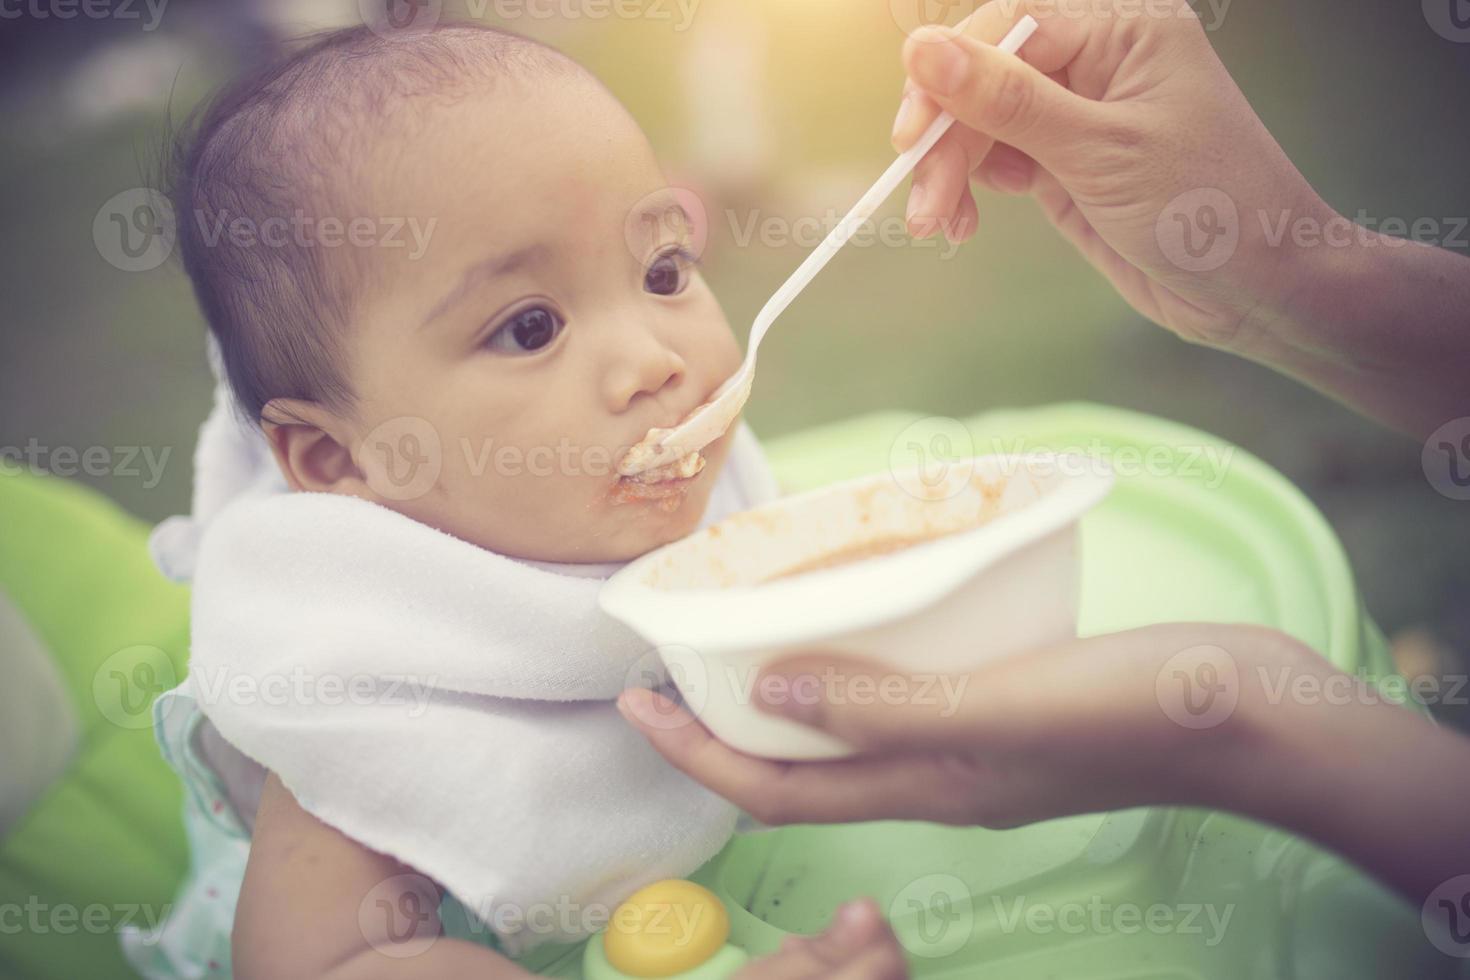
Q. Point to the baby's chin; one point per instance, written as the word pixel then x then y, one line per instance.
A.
pixel 652 523
pixel 646 523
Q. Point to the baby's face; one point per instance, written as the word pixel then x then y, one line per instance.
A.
pixel 545 329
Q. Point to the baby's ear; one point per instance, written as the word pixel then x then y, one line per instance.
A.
pixel 311 447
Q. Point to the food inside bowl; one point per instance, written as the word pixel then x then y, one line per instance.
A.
pixel 861 551
pixel 995 572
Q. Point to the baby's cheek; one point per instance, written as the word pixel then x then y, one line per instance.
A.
pixel 732 356
pixel 716 348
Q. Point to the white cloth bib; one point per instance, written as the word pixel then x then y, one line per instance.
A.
pixel 447 705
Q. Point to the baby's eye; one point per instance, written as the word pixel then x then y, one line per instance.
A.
pixel 527 331
pixel 669 273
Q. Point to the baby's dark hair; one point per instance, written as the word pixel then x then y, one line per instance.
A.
pixel 284 141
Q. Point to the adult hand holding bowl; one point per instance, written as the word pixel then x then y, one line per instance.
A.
pixel 975 564
pixel 1082 727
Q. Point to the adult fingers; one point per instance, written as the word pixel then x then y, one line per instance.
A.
pixel 941 183
pixel 1053 46
pixel 860 788
pixel 870 706
pixel 1003 96
pixel 915 112
pixel 1006 170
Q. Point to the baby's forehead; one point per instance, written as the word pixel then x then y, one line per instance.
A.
pixel 519 159
pixel 476 121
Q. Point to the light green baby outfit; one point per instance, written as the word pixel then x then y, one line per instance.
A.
pixel 193 941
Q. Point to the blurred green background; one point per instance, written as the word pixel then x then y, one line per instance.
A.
pixel 775 108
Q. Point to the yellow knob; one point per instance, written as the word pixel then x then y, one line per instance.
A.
pixel 666 928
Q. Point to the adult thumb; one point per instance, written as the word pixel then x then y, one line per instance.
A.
pixel 1001 96
pixel 864 703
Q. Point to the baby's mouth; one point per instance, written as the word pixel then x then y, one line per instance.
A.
pixel 680 469
pixel 665 484
pixel 637 459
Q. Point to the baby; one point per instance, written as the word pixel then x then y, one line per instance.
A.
pixel 451 418
pixel 543 310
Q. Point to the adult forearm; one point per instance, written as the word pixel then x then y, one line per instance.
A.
pixel 1380 323
pixel 1332 760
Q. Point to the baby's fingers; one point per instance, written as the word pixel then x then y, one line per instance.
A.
pixel 878 963
pixel 858 945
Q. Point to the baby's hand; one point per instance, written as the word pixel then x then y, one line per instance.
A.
pixel 858 945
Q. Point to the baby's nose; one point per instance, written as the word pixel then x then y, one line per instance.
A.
pixel 643 365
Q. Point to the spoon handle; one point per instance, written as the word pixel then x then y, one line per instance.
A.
pixel 867 204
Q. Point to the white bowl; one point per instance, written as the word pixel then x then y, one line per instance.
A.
pixel 1006 580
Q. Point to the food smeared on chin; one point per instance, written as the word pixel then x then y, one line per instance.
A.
pixel 665 484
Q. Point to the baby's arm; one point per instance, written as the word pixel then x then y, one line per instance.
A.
pixel 301 911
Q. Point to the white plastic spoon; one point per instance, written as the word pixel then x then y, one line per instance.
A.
pixel 709 421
